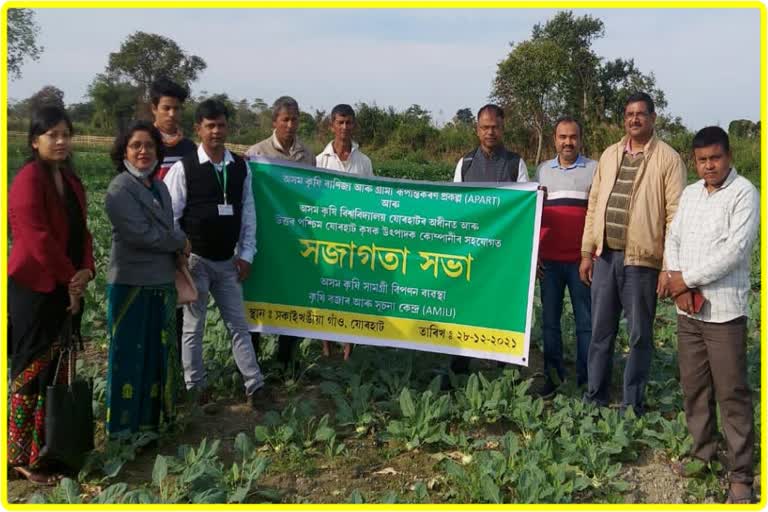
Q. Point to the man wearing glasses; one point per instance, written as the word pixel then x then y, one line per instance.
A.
pixel 634 196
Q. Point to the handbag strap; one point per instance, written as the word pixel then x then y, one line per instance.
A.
pixel 58 363
pixel 68 344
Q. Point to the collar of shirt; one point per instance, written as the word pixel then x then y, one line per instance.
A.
pixel 580 162
pixel 329 151
pixel 203 156
pixel 628 146
pixel 276 143
pixel 728 180
pixel 497 152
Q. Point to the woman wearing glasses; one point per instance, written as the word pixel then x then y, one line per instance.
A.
pixel 143 371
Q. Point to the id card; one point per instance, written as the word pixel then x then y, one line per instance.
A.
pixel 226 210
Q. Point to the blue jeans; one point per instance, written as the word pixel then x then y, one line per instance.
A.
pixel 217 278
pixel 558 275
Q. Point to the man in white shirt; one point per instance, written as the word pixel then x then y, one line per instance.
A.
pixel 708 252
pixel 213 204
pixel 342 153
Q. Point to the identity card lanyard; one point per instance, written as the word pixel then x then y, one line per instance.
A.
pixel 224 209
pixel 222 181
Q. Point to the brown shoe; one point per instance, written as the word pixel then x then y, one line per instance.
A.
pixel 742 498
pixel 205 401
pixel 258 398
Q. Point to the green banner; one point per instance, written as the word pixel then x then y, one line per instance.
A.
pixel 442 267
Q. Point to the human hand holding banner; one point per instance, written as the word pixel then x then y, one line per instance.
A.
pixel 427 266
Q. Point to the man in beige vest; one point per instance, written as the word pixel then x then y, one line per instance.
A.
pixel 633 199
pixel 283 144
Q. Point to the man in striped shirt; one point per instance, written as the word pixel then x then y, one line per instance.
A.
pixel 708 252
pixel 567 179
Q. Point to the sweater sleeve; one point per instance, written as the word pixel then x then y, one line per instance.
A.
pixel 135 229
pixel 30 227
pixel 588 244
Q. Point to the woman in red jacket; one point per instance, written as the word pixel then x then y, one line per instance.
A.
pixel 49 267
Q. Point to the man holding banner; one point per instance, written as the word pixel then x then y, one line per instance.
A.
pixel 213 204
pixel 343 154
pixel 283 144
pixel 489 162
pixel 446 268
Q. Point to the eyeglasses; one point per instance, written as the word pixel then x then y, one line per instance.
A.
pixel 138 146
pixel 632 115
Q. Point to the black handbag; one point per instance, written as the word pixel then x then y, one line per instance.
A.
pixel 68 411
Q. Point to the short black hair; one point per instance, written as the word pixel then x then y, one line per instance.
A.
pixel 120 145
pixel 641 96
pixel 43 119
pixel 490 107
pixel 568 119
pixel 284 103
pixel 166 87
pixel 211 109
pixel 342 109
pixel 711 136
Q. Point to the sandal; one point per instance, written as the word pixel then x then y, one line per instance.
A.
pixel 743 499
pixel 39 478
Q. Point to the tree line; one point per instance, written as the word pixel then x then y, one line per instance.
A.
pixel 554 72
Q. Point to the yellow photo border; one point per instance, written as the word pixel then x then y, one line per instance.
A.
pixel 383 4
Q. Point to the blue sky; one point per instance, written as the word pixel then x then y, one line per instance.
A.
pixel 706 60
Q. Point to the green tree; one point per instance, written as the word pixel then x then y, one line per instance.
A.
pixel 416 112
pixel 22 40
pixel 464 116
pixel 375 124
pixel 48 95
pixel 114 102
pixel 574 36
pixel 82 112
pixel 557 72
pixel 619 79
pixel 528 84
pixel 743 128
pixel 145 57
pixel 259 105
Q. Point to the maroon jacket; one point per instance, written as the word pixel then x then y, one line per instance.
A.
pixel 37 217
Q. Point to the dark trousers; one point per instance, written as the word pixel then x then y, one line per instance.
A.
pixel 558 275
pixel 286 345
pixel 616 287
pixel 713 368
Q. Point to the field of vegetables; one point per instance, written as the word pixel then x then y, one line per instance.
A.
pixel 379 429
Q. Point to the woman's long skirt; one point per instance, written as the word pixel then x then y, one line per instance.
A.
pixel 35 321
pixel 143 373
